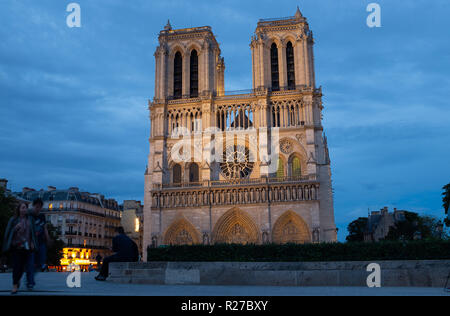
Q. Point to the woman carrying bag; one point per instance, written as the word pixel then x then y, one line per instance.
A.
pixel 20 241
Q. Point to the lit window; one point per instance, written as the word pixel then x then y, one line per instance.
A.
pixel 50 206
pixel 136 226
pixel 295 167
pixel 280 170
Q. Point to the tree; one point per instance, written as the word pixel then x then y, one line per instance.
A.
pixel 55 247
pixel 7 206
pixel 446 201
pixel 356 229
pixel 414 226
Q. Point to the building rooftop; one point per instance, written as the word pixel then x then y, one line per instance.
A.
pixel 71 194
pixel 298 17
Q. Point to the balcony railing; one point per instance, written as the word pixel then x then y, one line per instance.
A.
pixel 277 19
pixel 79 210
pixel 247 191
pixel 234 182
pixel 241 93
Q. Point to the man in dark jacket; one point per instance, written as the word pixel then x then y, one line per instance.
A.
pixel 125 250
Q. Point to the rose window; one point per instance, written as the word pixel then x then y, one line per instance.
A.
pixel 237 162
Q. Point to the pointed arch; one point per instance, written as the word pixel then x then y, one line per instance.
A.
pixel 176 173
pixel 274 69
pixel 280 173
pixel 193 80
pixel 193 173
pixel 235 226
pixel 177 75
pixel 194 45
pixel 290 66
pixel 296 165
pixel 280 168
pixel 289 37
pixel 290 228
pixel 181 232
pixel 177 47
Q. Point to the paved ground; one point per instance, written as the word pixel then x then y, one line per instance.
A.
pixel 53 283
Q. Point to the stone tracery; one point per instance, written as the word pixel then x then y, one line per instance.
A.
pixel 291 228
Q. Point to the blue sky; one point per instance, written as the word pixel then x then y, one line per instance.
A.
pixel 73 101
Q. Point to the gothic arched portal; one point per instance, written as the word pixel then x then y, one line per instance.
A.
pixel 181 232
pixel 235 227
pixel 290 227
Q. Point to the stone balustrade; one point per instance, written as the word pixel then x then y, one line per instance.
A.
pixel 254 191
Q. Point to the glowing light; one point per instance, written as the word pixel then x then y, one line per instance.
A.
pixel 136 226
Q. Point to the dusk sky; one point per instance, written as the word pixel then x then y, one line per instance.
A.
pixel 73 108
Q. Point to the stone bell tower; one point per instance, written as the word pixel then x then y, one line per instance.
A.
pixel 282 54
pixel 188 63
pixel 189 71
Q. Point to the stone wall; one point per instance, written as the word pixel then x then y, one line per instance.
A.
pixel 414 273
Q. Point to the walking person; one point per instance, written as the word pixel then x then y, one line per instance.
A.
pixel 20 240
pixel 37 260
pixel 125 250
pixel 99 261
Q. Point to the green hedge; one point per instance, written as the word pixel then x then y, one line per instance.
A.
pixel 356 251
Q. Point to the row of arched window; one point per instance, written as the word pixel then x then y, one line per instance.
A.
pixel 290 67
pixel 294 168
pixel 178 75
pixel 287 114
pixel 179 121
pixel 193 173
pixel 234 117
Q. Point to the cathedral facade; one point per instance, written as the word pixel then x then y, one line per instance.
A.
pixel 237 167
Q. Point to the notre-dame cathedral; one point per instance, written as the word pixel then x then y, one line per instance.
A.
pixel 243 166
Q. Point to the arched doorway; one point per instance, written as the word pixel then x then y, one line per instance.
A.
pixel 235 227
pixel 181 232
pixel 290 228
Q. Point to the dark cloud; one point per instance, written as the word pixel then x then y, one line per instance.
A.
pixel 73 106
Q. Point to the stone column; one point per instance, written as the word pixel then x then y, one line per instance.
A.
pixel 254 67
pixel 186 71
pixel 157 73
pixel 207 66
pixel 306 61
pixel 311 63
pixel 299 62
pixel 261 64
pixel 168 74
pixel 201 70
pixel 282 67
